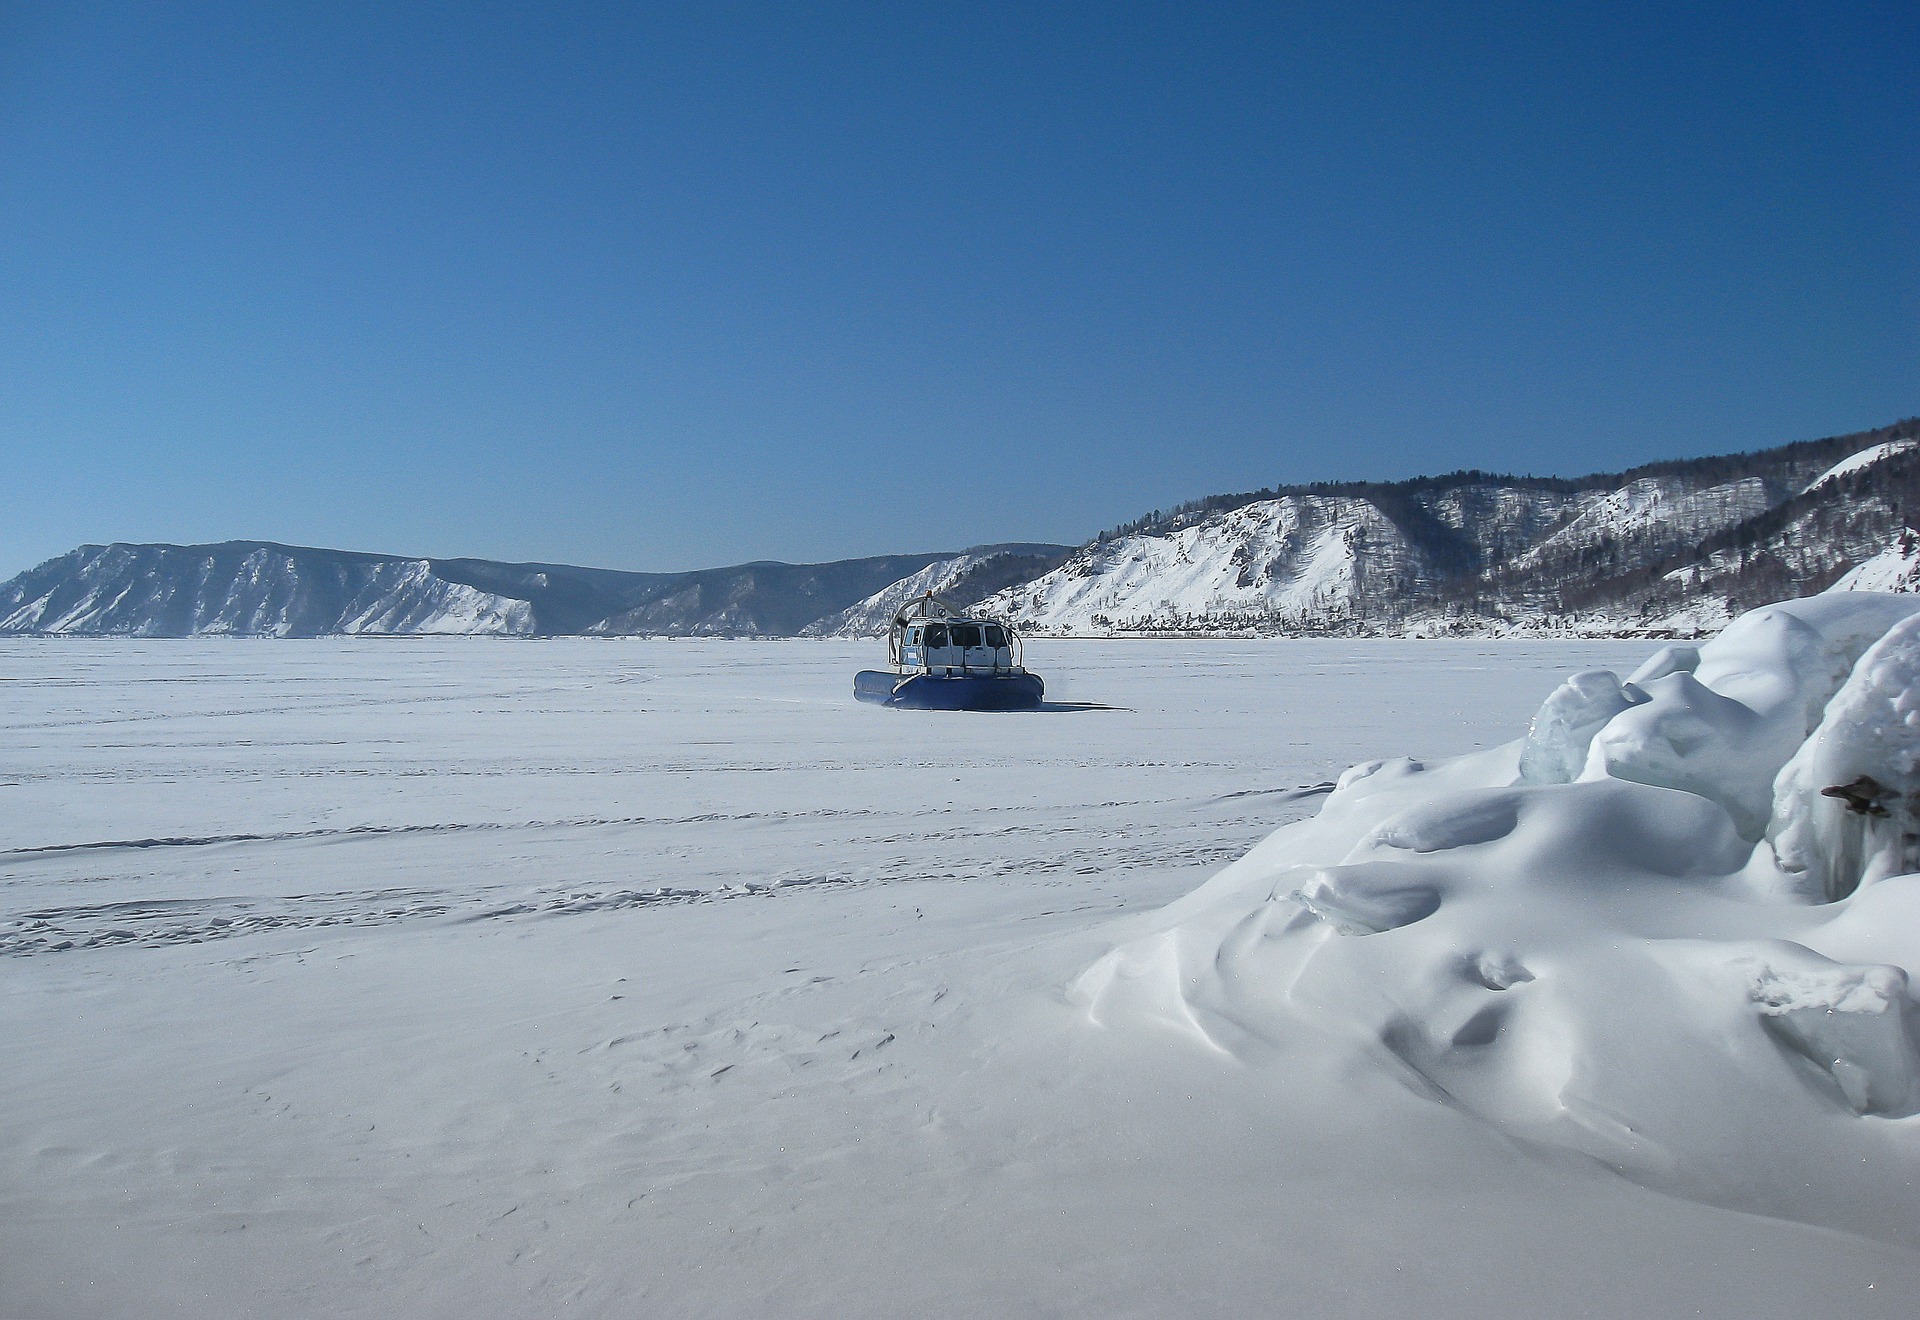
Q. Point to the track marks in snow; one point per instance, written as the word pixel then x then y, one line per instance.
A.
pixel 157 923
pixel 1015 852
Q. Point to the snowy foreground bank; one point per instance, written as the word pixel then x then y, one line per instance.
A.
pixel 463 978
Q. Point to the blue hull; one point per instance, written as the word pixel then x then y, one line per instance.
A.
pixel 956 692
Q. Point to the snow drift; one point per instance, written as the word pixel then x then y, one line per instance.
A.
pixel 1671 928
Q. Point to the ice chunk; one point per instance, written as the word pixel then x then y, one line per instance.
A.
pixel 1367 898
pixel 1844 808
pixel 1495 971
pixel 1557 740
pixel 1850 1020
pixel 1386 769
pixel 1453 822
pixel 1689 737
pixel 1676 659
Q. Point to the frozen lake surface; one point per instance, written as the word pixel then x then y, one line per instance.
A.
pixel 463 978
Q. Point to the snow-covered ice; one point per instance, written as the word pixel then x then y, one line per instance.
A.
pixel 467 978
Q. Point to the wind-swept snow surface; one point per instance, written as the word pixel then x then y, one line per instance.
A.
pixel 447 978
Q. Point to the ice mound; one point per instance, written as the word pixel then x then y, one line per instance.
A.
pixel 1555 751
pixel 1725 729
pixel 1669 928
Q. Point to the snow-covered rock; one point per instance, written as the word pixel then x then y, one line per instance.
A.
pixel 1725 729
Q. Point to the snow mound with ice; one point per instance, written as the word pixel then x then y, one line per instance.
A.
pixel 1670 928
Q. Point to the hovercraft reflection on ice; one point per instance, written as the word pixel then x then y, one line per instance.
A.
pixel 945 660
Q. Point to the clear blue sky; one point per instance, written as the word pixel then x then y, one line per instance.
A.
pixel 664 286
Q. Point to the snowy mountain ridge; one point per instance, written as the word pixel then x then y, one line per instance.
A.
pixel 1677 547
pixel 263 589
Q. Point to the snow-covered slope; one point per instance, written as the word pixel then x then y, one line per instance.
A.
pixel 870 617
pixel 1863 460
pixel 1288 560
pixel 1653 514
pixel 1330 563
pixel 763 600
pixel 1897 568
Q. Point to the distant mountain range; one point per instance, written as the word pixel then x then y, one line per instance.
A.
pixel 1669 548
pixel 262 589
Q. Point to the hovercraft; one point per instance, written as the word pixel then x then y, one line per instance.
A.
pixel 946 659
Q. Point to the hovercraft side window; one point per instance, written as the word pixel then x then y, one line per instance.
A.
pixel 965 634
pixel 936 636
pixel 996 635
